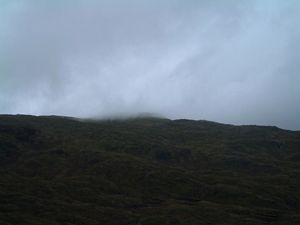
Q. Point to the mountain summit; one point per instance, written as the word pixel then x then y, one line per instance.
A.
pixel 146 171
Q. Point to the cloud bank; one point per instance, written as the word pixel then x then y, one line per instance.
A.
pixel 228 61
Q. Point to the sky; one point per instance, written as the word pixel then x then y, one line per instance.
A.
pixel 230 61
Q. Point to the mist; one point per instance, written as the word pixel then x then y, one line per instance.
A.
pixel 227 61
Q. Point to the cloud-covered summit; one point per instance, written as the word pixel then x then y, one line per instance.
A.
pixel 229 61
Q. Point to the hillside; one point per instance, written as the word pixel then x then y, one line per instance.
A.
pixel 146 171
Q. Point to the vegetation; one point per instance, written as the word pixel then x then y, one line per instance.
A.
pixel 146 171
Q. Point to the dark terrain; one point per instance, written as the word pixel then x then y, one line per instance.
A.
pixel 146 171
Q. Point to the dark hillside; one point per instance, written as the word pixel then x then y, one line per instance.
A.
pixel 146 171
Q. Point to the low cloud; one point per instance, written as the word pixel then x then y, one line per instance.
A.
pixel 228 61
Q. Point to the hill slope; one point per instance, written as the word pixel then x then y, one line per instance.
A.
pixel 146 171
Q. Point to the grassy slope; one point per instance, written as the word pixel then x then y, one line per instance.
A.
pixel 146 171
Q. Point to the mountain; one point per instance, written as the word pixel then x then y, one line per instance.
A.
pixel 146 171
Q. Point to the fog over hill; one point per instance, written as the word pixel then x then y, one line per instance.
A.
pixel 228 61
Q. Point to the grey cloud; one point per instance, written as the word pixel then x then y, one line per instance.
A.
pixel 229 61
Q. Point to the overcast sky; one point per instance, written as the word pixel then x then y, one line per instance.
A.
pixel 231 61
